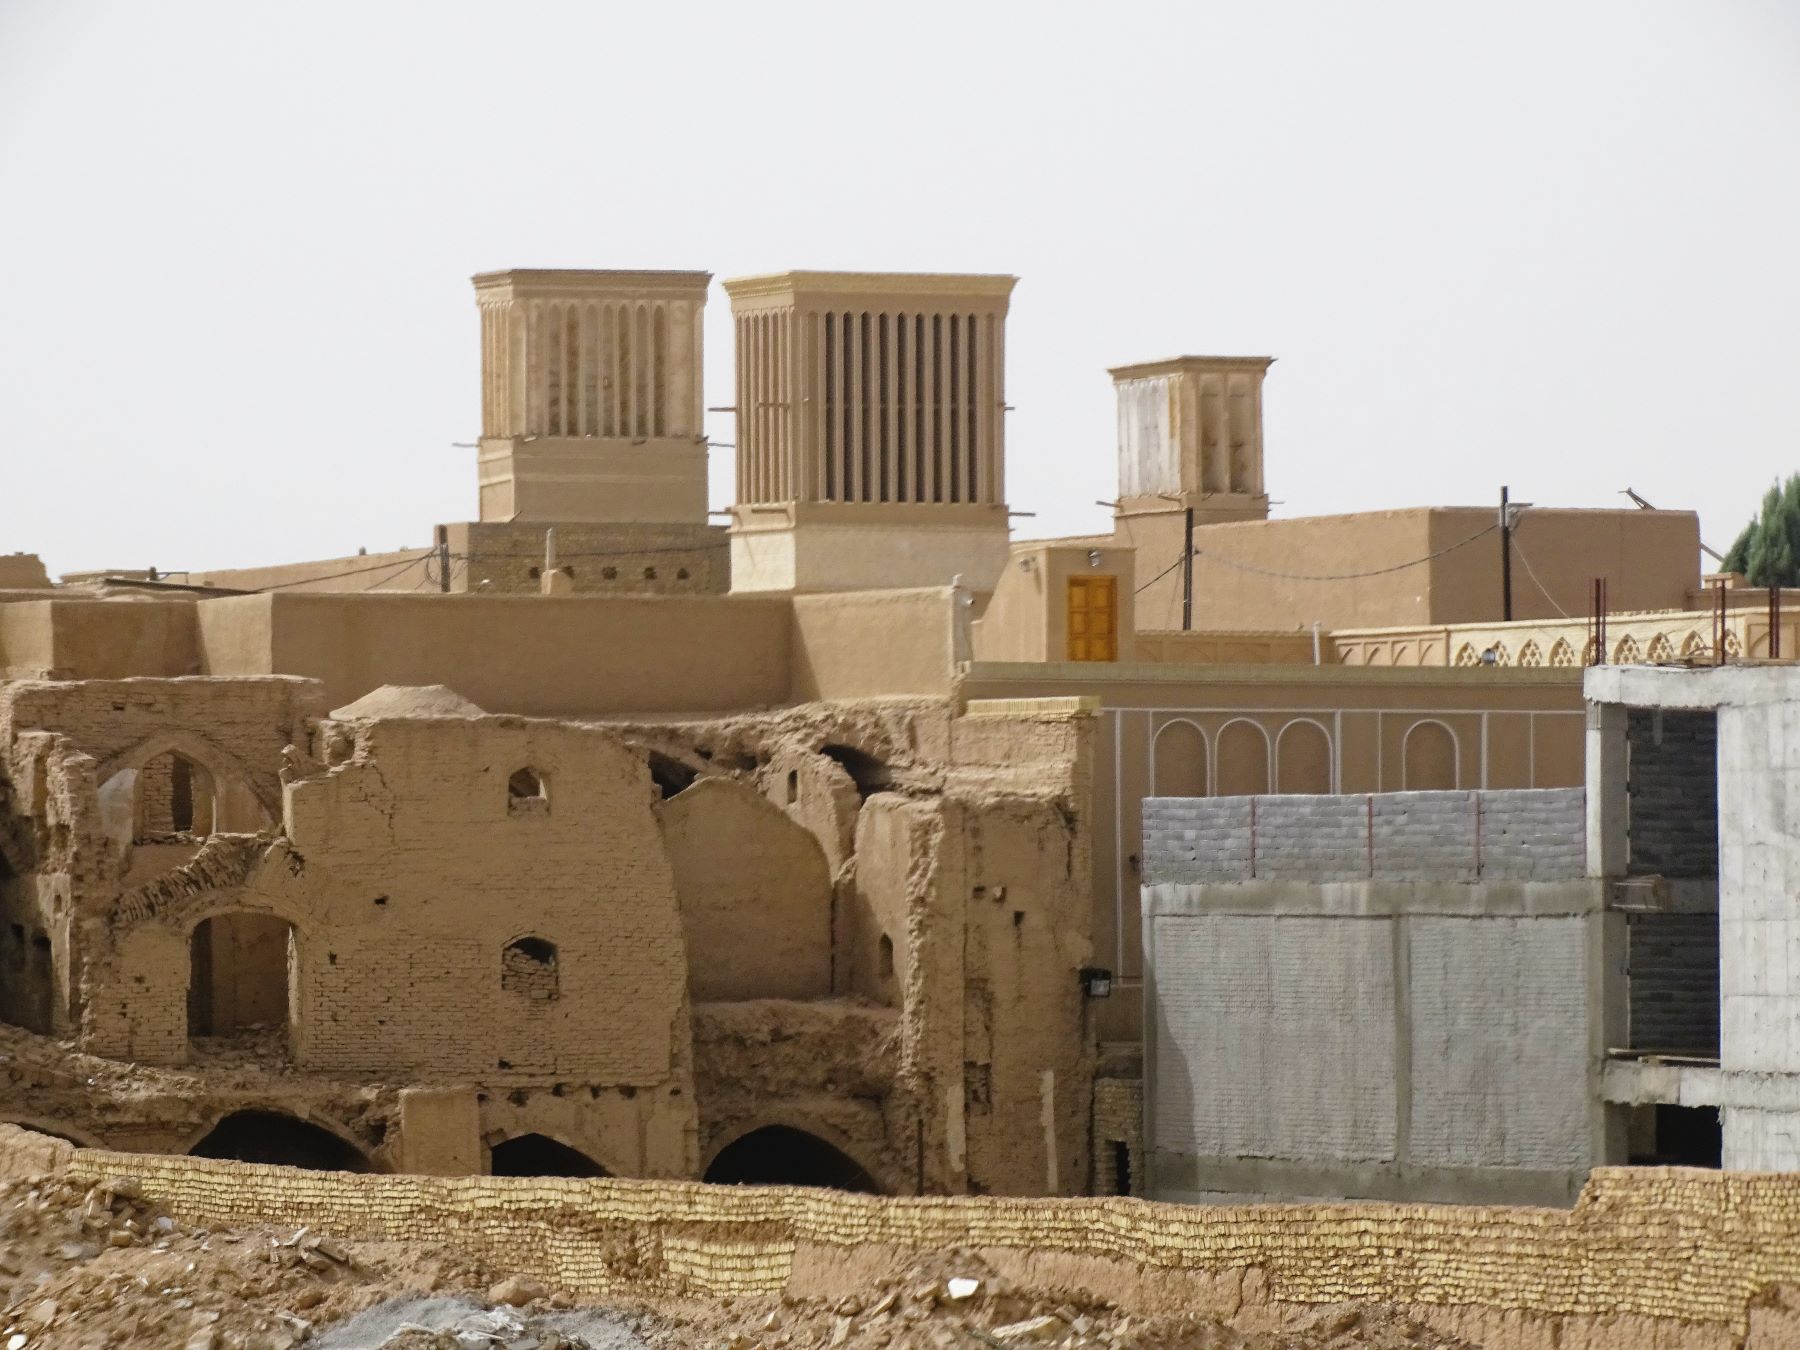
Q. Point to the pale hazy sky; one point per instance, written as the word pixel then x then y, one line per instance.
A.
pixel 1554 244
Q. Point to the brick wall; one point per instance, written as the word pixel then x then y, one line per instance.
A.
pixel 1535 834
pixel 1673 785
pixel 1649 1257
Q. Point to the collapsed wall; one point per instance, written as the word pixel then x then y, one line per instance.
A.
pixel 838 941
pixel 1648 1259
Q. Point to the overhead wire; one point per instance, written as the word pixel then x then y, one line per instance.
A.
pixel 1324 576
pixel 1346 576
pixel 1543 590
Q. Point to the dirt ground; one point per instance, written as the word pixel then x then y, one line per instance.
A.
pixel 88 1269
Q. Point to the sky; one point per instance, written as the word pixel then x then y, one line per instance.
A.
pixel 1551 244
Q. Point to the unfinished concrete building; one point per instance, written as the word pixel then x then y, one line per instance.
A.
pixel 1481 996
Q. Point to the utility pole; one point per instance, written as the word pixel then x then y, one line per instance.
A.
pixel 443 558
pixel 1505 558
pixel 1187 575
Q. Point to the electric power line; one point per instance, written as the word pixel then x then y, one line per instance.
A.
pixel 1543 590
pixel 1344 576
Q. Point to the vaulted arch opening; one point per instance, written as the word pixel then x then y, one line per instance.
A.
pixel 242 977
pixel 272 1137
pixel 779 1155
pixel 538 1155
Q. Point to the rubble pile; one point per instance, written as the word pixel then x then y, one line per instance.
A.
pixel 954 1299
pixel 95 1268
pixel 89 1269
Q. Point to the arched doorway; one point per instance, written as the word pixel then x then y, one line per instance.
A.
pixel 779 1155
pixel 1180 760
pixel 271 1137
pixel 241 970
pixel 538 1155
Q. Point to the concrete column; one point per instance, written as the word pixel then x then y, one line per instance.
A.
pixel 1608 809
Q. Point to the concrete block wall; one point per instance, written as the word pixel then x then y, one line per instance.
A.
pixel 1533 834
pixel 1672 787
pixel 1672 969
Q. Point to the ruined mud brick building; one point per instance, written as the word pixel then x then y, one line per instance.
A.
pixel 597 837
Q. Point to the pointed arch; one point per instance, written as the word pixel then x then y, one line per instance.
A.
pixel 1502 657
pixel 539 1154
pixel 1561 653
pixel 1661 649
pixel 223 767
pixel 271 1135
pixel 1626 652
pixel 1530 654
pixel 1694 647
pixel 781 1154
pixel 1466 655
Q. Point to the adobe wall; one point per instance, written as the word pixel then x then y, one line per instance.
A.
pixel 1648 1259
pixel 873 644
pixel 506 557
pixel 1246 574
pixel 755 895
pixel 960 872
pixel 406 569
pixel 557 656
pixel 99 639
pixel 1650 559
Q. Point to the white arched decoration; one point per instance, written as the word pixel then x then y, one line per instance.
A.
pixel 1408 772
pixel 1180 760
pixel 1286 755
pixel 1237 772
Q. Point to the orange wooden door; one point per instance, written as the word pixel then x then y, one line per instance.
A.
pixel 1093 618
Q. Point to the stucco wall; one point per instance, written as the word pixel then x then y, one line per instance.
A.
pixel 1280 573
pixel 538 656
pixel 1383 1039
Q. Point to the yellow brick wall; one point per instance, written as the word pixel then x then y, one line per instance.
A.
pixel 1658 1243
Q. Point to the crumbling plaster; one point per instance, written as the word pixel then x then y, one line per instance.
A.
pixel 652 851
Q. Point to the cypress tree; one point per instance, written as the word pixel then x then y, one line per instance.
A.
pixel 1767 552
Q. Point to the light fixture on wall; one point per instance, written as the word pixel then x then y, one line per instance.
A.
pixel 1093 557
pixel 1096 982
